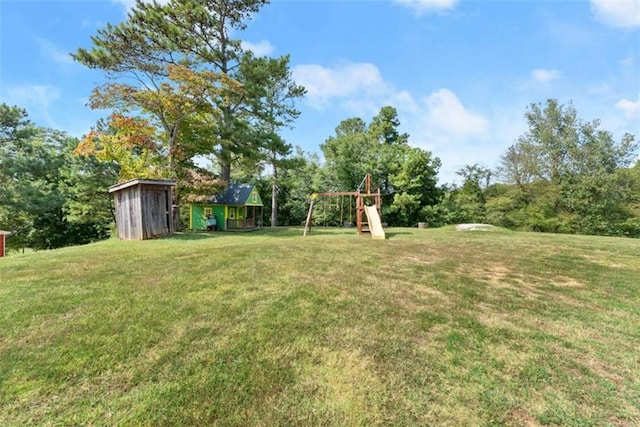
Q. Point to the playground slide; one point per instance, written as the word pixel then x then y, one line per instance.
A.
pixel 375 226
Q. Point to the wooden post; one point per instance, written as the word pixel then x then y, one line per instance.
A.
pixel 307 224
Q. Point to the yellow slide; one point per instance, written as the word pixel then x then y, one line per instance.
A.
pixel 375 226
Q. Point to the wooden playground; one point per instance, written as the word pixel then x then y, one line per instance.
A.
pixel 368 204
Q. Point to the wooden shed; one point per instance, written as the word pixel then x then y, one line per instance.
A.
pixel 143 208
pixel 3 236
pixel 238 208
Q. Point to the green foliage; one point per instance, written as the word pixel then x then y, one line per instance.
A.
pixel 296 184
pixel 563 176
pixel 579 185
pixel 406 175
pixel 195 84
pixel 48 198
pixel 414 186
pixel 273 107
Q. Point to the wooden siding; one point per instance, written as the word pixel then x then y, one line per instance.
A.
pixel 1 245
pixel 143 211
pixel 156 212
pixel 128 213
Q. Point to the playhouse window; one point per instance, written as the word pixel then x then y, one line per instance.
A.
pixel 232 213
pixel 208 211
pixel 254 197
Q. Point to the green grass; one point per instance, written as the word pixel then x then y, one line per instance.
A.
pixel 430 327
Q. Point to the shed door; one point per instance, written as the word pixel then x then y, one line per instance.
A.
pixel 157 204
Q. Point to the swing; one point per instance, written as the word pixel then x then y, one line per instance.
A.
pixel 324 211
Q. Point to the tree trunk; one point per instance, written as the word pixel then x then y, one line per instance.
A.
pixel 225 171
pixel 274 198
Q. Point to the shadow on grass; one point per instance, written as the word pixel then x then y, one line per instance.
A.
pixel 191 235
pixel 188 235
pixel 391 234
pixel 329 230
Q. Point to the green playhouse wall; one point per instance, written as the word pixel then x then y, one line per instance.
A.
pixel 198 220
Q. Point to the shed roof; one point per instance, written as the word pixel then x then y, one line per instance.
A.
pixel 5 232
pixel 234 195
pixel 137 181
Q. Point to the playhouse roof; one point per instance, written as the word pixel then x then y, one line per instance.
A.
pixel 234 195
pixel 138 181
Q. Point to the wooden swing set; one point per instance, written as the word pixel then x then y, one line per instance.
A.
pixel 364 196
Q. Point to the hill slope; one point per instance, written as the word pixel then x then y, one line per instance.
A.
pixel 269 328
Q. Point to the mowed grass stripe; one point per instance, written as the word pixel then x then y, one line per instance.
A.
pixel 430 327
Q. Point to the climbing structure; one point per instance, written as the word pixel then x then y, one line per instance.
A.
pixel 366 197
pixel 368 207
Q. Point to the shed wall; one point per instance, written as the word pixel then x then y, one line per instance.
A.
pixel 1 245
pixel 156 211
pixel 129 213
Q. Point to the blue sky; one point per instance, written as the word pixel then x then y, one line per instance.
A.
pixel 460 73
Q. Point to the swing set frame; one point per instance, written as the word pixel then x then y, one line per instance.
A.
pixel 364 196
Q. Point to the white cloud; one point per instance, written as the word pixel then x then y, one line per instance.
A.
pixel 445 113
pixel 403 100
pixel 617 13
pixel 129 4
pixel 87 23
pixel 452 132
pixel 262 48
pixel 39 95
pixel 631 109
pixel 344 80
pixel 36 99
pixel 438 121
pixel 601 89
pixel 51 51
pixel 422 7
pixel 628 61
pixel 542 75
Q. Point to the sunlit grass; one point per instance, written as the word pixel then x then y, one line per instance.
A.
pixel 430 327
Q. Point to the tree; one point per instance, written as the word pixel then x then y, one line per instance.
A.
pixel 38 201
pixel 304 176
pixel 570 173
pixel 273 106
pixel 414 186
pixel 518 165
pixel 347 154
pixel 127 142
pixel 188 44
pixel 406 175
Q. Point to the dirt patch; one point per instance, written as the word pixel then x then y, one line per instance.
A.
pixel 498 276
pixel 494 318
pixel 413 259
pixel 568 282
pixel 521 418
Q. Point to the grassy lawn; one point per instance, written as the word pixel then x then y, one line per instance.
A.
pixel 430 327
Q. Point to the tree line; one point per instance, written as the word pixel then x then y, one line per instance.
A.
pixel 180 87
pixel 564 175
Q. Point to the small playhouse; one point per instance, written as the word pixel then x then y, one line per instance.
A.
pixel 238 208
pixel 144 208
